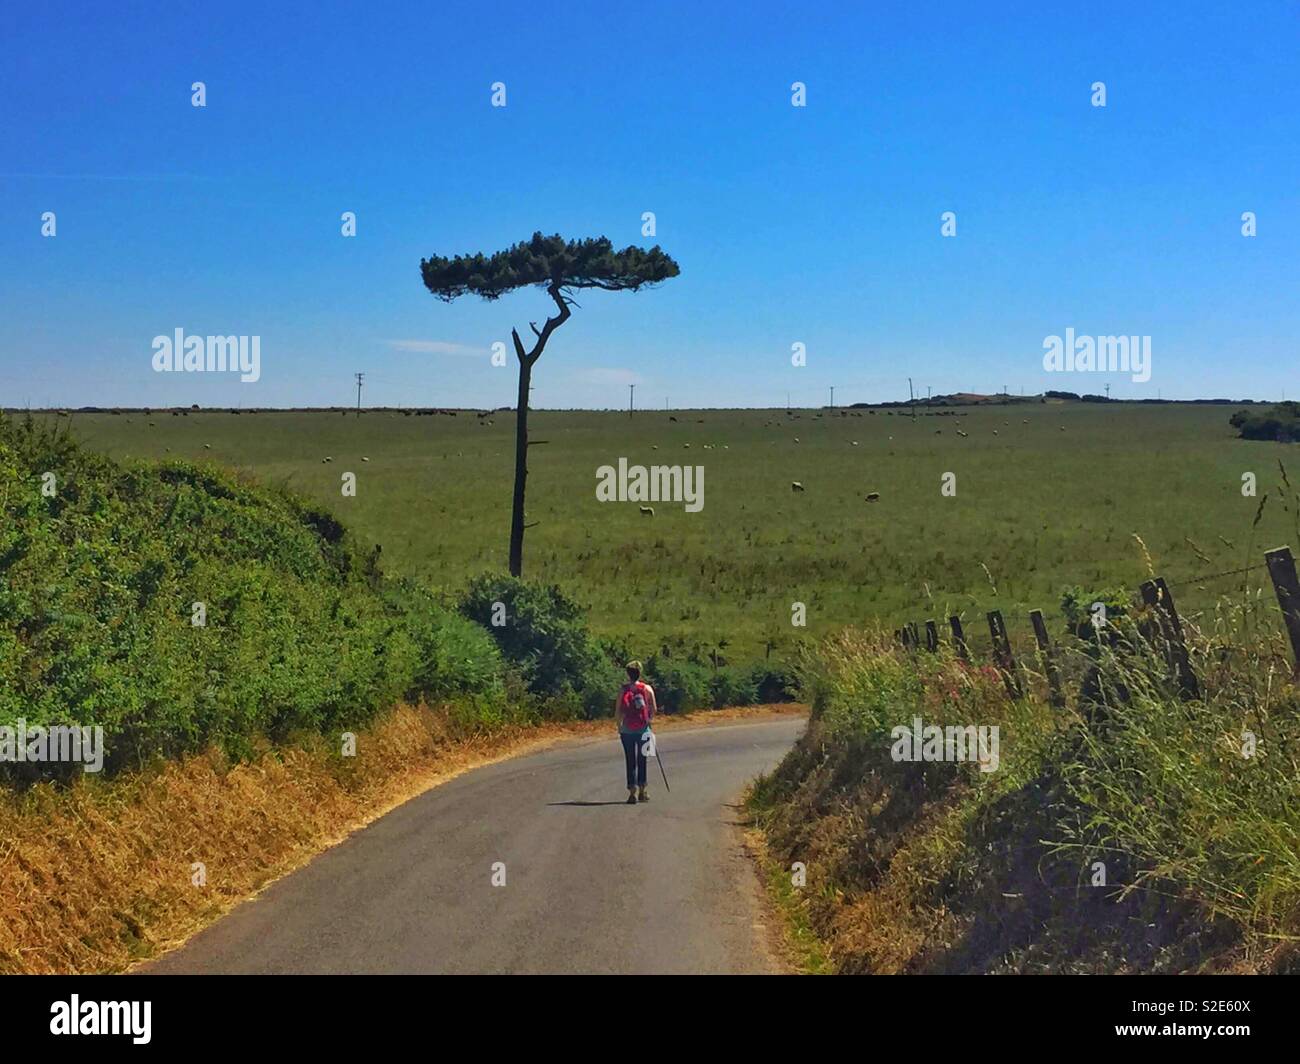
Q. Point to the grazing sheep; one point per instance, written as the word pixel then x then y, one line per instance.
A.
pixel 207 446
pixel 796 486
pixel 649 511
pixel 686 446
pixel 364 459
pixel 995 432
pixel 1025 422
pixel 873 496
pixel 855 443
pixel 654 447
pixel 671 418
pixel 962 434
pixel 796 439
pixel 328 458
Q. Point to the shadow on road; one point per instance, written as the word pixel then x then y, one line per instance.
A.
pixel 623 802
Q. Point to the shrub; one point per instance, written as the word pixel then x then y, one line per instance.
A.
pixel 684 684
pixel 454 655
pixel 98 582
pixel 1280 423
pixel 542 632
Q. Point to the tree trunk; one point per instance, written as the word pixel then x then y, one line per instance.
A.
pixel 526 360
pixel 521 469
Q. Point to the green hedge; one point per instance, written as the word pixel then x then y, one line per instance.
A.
pixel 543 634
pixel 97 584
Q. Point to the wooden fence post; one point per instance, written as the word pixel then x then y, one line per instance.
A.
pixel 1156 594
pixel 931 637
pixel 1281 567
pixel 1002 653
pixel 1048 653
pixel 958 637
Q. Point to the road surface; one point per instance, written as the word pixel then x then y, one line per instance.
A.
pixel 592 885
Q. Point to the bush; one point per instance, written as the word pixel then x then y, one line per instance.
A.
pixel 685 684
pixel 680 685
pixel 454 655
pixel 1078 605
pixel 1280 423
pixel 98 585
pixel 542 632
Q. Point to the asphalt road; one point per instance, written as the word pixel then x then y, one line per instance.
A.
pixel 592 885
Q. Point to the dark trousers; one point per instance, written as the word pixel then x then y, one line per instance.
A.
pixel 634 755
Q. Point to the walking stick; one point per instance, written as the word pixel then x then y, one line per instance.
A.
pixel 661 766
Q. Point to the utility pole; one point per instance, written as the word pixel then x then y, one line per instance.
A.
pixel 631 394
pixel 1108 389
pixel 832 397
pixel 911 398
pixel 360 377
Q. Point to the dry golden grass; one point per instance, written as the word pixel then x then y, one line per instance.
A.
pixel 97 876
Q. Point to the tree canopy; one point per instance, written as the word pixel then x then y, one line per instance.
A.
pixel 548 262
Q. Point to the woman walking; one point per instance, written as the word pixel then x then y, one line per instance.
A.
pixel 634 710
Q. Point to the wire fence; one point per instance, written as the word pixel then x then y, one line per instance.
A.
pixel 1161 625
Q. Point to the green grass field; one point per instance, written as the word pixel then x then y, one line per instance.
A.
pixel 1052 499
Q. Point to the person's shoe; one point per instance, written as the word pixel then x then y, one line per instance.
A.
pixel 642 796
pixel 631 796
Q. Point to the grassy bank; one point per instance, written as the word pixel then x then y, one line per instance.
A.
pixel 1133 832
pixel 176 607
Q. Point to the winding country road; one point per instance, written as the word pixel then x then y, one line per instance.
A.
pixel 592 885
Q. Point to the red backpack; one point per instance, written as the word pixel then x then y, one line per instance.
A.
pixel 636 707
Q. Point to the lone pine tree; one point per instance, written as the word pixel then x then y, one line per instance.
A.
pixel 560 267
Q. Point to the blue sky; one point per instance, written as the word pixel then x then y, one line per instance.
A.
pixel 817 225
